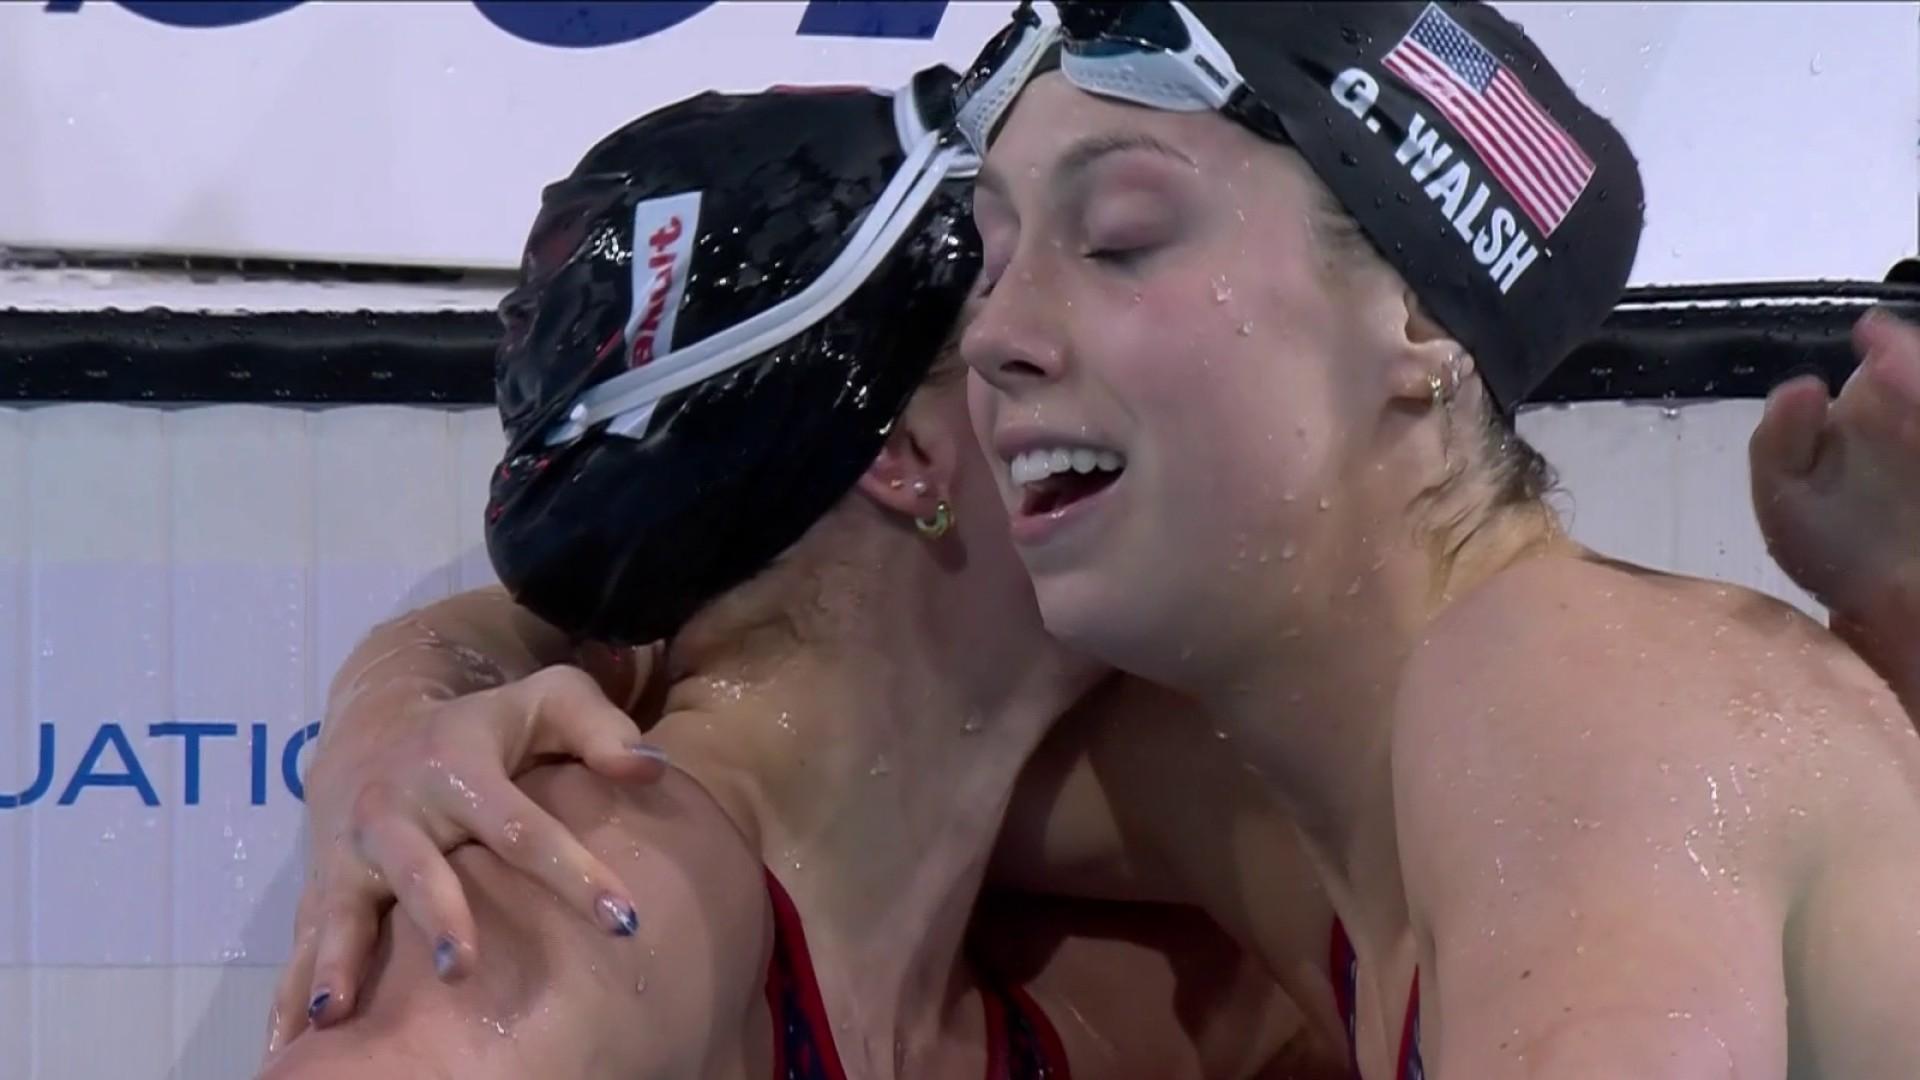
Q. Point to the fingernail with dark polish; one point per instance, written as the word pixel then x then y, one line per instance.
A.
pixel 621 915
pixel 445 952
pixel 319 1004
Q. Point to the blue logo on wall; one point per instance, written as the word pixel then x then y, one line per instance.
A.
pixel 110 761
pixel 573 25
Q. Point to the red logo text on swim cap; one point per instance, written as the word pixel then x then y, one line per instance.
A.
pixel 668 226
pixel 661 262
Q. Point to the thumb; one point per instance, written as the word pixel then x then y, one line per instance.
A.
pixel 573 717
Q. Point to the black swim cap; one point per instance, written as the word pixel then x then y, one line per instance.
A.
pixel 720 315
pixel 1513 210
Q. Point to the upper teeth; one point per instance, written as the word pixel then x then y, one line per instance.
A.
pixel 1036 465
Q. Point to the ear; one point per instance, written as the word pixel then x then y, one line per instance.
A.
pixel 914 471
pixel 1424 351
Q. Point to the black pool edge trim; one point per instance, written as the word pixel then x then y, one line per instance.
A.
pixel 1663 343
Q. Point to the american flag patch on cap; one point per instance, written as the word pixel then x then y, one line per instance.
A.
pixel 1538 162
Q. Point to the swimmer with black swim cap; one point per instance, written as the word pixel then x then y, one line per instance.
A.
pixel 732 423
pixel 1131 798
pixel 1573 817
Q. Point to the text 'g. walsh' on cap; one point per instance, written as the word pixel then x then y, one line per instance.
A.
pixel 1513 209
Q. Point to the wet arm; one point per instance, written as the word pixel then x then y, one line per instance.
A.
pixel 559 998
pixel 1589 914
pixel 473 641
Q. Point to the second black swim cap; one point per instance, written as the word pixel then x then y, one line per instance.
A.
pixel 721 313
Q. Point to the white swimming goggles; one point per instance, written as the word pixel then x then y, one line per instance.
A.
pixel 628 399
pixel 1148 52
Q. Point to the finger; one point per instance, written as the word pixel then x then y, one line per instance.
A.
pixel 428 890
pixel 1893 380
pixel 569 714
pixel 344 941
pixel 529 839
pixel 288 1016
pixel 1879 330
pixel 1882 399
pixel 1786 442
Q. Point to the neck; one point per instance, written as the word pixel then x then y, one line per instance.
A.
pixel 872 768
pixel 1315 711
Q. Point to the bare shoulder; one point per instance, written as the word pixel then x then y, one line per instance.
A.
pixel 696 966
pixel 1630 694
pixel 555 996
pixel 1630 784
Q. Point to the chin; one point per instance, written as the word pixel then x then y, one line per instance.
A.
pixel 1108 620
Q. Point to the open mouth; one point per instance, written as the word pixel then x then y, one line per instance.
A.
pixel 1051 479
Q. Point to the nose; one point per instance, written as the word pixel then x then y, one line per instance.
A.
pixel 1013 338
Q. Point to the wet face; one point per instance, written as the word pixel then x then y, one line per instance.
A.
pixel 1175 388
pixel 997 586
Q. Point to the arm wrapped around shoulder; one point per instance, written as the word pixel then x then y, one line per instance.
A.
pixel 554 997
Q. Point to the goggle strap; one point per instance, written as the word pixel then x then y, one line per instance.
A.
pixel 980 116
pixel 927 166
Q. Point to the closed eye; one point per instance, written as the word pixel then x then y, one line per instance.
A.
pixel 1116 257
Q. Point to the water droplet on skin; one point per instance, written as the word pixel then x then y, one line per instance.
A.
pixel 972 726
pixel 880 767
pixel 109 835
pixel 1287 551
pixel 1326 503
pixel 1816 64
pixel 1245 329
pixel 786 720
pixel 1222 290
pixel 640 987
pixel 1221 735
pixel 512 830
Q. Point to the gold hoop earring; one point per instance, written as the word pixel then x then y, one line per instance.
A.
pixel 939 524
